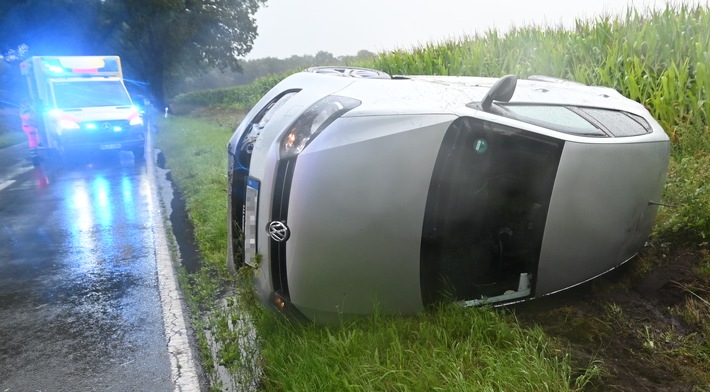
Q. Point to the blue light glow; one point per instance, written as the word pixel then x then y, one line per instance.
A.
pixel 68 124
pixel 102 201
pixel 127 196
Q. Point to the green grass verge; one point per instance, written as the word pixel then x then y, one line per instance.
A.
pixel 11 138
pixel 10 128
pixel 449 349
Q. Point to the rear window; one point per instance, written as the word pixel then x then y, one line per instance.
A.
pixel 580 121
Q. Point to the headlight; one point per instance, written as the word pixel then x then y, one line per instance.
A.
pixel 136 121
pixel 64 122
pixel 135 117
pixel 313 121
pixel 68 124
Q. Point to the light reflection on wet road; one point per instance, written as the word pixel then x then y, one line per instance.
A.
pixel 79 303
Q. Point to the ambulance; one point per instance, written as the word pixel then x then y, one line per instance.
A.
pixel 82 106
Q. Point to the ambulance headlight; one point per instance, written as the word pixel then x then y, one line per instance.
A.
pixel 136 121
pixel 135 118
pixel 68 124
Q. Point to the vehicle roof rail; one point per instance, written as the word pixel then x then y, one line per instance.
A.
pixel 353 72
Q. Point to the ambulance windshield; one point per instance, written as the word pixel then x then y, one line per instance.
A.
pixel 83 94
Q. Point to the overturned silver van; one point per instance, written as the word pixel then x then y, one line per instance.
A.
pixel 352 190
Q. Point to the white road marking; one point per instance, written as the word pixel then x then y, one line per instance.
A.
pixel 6 184
pixel 17 170
pixel 182 360
pixel 11 173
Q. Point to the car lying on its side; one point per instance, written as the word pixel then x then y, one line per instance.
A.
pixel 351 190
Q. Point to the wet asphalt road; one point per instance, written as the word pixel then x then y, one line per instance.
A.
pixel 79 301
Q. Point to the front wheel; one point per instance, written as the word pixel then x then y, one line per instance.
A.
pixel 139 153
pixel 69 156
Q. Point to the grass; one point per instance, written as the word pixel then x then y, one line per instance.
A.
pixel 658 58
pixel 10 128
pixel 11 138
pixel 449 349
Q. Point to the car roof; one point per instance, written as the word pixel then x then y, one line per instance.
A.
pixel 428 93
pixel 381 95
pixel 377 89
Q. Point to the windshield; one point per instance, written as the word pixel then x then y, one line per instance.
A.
pixel 582 121
pixel 82 94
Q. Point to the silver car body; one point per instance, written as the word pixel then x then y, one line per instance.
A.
pixel 418 194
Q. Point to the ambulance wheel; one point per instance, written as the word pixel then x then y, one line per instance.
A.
pixel 69 157
pixel 138 153
pixel 54 156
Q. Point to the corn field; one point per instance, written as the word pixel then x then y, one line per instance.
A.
pixel 660 58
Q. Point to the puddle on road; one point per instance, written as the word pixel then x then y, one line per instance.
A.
pixel 179 222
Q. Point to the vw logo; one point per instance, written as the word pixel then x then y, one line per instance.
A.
pixel 106 126
pixel 278 231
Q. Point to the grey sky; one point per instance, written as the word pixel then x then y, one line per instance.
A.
pixel 305 27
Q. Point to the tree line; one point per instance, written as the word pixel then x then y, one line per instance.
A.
pixel 250 70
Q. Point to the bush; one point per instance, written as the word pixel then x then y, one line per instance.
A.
pixel 687 219
pixel 239 97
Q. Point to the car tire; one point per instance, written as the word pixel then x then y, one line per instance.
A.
pixel 139 153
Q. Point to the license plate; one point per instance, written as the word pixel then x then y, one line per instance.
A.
pixel 250 221
pixel 110 146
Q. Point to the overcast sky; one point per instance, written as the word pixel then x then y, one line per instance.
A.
pixel 305 27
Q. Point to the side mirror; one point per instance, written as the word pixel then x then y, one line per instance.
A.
pixel 502 91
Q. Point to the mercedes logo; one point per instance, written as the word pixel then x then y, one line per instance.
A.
pixel 106 126
pixel 278 231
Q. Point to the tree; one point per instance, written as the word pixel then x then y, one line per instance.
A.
pixel 50 27
pixel 47 27
pixel 162 38
pixel 156 39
